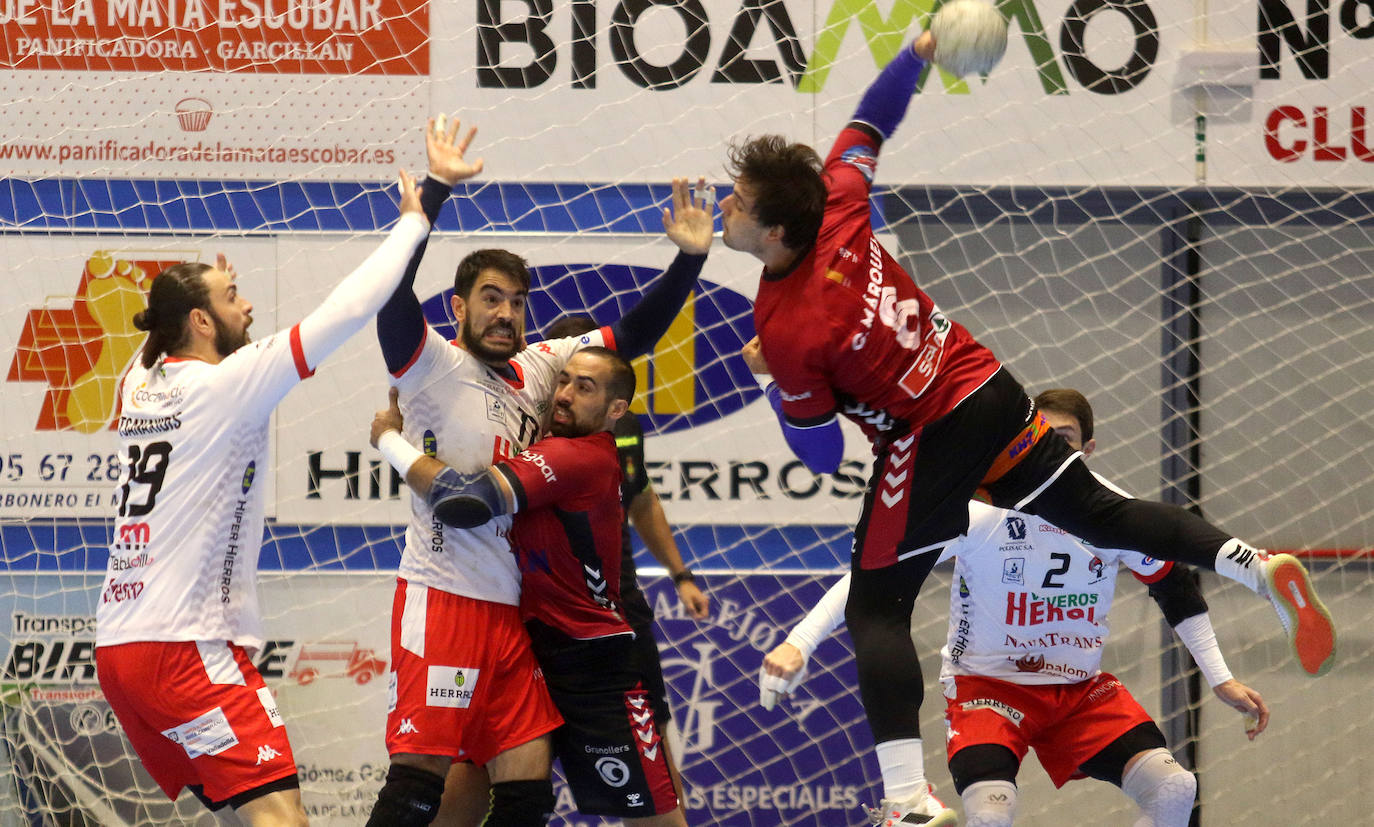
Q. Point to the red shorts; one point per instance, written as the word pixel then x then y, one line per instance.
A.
pixel 1066 723
pixel 465 684
pixel 196 713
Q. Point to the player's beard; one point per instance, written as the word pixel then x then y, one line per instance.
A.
pixel 574 428
pixel 227 340
pixel 472 343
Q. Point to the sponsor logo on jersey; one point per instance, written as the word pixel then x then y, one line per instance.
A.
pixel 1102 690
pixel 1049 640
pixel 209 734
pixel 613 771
pixel 80 345
pixel 1098 569
pixel 248 474
pixel 1025 609
pixel 1014 570
pixel 538 461
pixel 429 443
pixel 269 705
pixel 496 409
pixel 450 686
pixel 1030 663
pixel 690 377
pixel 1016 528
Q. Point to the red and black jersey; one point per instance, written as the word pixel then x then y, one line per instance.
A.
pixel 566 534
pixel 847 330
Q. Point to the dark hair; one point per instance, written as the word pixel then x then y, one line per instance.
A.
pixel 1071 403
pixel 474 263
pixel 621 385
pixel 176 291
pixel 570 325
pixel 787 185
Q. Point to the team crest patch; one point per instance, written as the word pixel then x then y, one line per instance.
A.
pixel 1014 570
pixel 864 159
pixel 496 409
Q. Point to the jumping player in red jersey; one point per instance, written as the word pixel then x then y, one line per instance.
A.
pixel 178 614
pixel 564 494
pixel 845 331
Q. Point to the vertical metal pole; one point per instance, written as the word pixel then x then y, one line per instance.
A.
pixel 1181 452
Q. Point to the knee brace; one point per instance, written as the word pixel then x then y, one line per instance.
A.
pixel 990 804
pixel 521 803
pixel 1164 790
pixel 410 798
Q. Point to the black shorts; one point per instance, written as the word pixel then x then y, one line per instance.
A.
pixel 994 446
pixel 651 670
pixel 610 745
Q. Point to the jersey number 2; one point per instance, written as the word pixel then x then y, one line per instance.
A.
pixel 1061 569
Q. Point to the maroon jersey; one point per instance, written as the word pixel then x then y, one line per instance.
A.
pixel 566 534
pixel 848 330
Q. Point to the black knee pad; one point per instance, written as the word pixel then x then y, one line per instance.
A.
pixel 521 804
pixel 982 762
pixel 410 798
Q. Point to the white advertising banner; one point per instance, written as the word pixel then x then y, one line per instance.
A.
pixel 1091 92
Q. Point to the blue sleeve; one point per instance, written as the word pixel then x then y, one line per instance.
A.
pixel 401 323
pixel 820 446
pixel 644 324
pixel 884 102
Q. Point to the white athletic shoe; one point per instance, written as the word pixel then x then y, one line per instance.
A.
pixel 925 809
pixel 1307 622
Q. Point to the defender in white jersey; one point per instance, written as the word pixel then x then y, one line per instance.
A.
pixel 177 615
pixel 1021 666
pixel 455 619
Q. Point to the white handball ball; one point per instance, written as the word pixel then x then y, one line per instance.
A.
pixel 970 37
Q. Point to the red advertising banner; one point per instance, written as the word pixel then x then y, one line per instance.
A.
pixel 289 37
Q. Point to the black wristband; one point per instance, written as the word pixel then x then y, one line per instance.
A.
pixel 684 576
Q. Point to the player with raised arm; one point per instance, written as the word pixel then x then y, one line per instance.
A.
pixel 563 495
pixel 471 403
pixel 1021 665
pixel 846 331
pixel 177 617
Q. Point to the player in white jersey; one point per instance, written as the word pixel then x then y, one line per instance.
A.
pixel 1021 666
pixel 177 617
pixel 455 618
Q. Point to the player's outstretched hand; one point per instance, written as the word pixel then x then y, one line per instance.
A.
pixel 447 161
pixel 410 196
pixel 1247 702
pixel 689 223
pixel 388 418
pixel 782 670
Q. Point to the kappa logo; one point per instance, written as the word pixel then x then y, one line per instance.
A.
pixel 407 727
pixel 689 378
pixel 266 753
pixel 81 350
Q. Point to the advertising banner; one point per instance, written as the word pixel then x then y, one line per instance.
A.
pixel 1103 93
pixel 807 762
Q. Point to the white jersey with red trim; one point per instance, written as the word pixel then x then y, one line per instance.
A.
pixel 459 410
pixel 1029 601
pixel 194 437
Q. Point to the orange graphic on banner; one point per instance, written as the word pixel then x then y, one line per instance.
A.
pixel 286 37
pixel 81 351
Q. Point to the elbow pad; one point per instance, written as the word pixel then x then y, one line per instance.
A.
pixel 465 500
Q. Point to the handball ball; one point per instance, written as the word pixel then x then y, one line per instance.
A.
pixel 970 37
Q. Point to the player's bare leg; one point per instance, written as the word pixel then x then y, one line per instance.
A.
pixel 282 808
pixel 467 796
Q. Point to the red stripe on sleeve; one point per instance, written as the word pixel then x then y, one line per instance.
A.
pixel 298 354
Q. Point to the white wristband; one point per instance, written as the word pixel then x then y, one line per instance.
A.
pixel 398 452
pixel 1197 634
pixel 764 380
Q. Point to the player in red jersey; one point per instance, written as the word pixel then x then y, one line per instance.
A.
pixel 178 616
pixel 846 331
pixel 564 494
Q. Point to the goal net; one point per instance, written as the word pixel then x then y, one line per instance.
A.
pixel 1163 205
